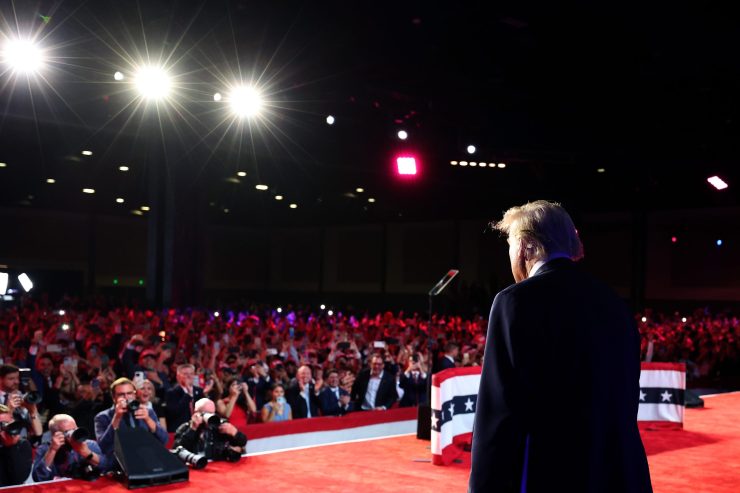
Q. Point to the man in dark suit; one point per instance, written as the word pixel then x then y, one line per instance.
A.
pixel 334 400
pixel 180 399
pixel 414 383
pixel 447 361
pixel 111 419
pixel 374 388
pixel 559 390
pixel 302 394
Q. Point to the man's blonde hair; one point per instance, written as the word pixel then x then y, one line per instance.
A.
pixel 543 226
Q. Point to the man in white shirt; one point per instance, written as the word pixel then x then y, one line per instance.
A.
pixel 374 388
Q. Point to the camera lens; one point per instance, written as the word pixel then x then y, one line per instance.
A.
pixel 134 406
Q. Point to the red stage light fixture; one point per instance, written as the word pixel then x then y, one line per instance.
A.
pixel 406 165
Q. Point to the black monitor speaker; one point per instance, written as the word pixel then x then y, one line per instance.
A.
pixel 145 461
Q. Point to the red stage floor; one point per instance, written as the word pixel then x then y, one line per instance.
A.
pixel 704 457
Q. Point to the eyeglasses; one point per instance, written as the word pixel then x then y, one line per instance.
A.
pixel 122 394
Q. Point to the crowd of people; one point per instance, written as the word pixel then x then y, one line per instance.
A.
pixel 72 374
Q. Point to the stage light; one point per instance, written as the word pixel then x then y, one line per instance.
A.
pixel 23 56
pixel 278 197
pixel 330 120
pixel 217 97
pixel 50 181
pixel 87 153
pixel 261 187
pixel 152 83
pixel 482 165
pixel 359 189
pixel 115 281
pixel 403 135
pixel 644 319
pixel 717 182
pixel 118 76
pixel 123 168
pixel 406 165
pixel 330 313
pixel 323 307
pixel 65 327
pixel 145 208
pixel 3 283
pixel 61 313
pixel 502 165
pixel 88 190
pixel 719 243
pixel 137 212
pixel 491 165
pixel 674 239
pixel 241 173
pixel 683 319
pixel 3 165
pixel 25 282
pixel 473 163
pixel 141 282
pixel 601 170
pixel 293 206
pixel 119 200
pixel 226 211
pixel 279 310
pixel 454 163
pixel 371 200
pixel 471 149
pixel 245 101
pixel 216 314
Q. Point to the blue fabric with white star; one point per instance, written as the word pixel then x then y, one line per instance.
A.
pixel 460 404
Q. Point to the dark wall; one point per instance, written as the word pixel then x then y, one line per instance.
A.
pixel 393 259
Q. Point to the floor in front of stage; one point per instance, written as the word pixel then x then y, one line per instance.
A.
pixel 704 457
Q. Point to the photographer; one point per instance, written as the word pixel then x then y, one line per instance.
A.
pixel 69 454
pixel 126 411
pixel 16 455
pixel 414 382
pixel 20 398
pixel 210 435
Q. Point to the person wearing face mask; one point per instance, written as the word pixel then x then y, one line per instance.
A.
pixel 557 329
pixel 278 408
pixel 334 400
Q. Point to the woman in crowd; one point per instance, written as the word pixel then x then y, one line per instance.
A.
pixel 145 394
pixel 278 408
pixel 236 403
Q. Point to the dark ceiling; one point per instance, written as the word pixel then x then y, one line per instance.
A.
pixel 649 96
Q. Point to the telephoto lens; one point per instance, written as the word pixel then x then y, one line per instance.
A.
pixel 213 420
pixel 78 435
pixel 134 406
pixel 196 460
pixel 32 397
pixel 13 428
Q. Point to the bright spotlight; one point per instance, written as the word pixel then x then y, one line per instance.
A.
pixel 50 181
pixel 501 165
pixel 330 313
pixel 323 307
pixel 278 197
pixel 406 165
pixel 87 153
pixel 118 76
pixel 371 200
pixel 25 282
pixel 217 97
pixel 241 173
pixel 88 190
pixel 216 314
pixel 123 168
pixel 145 208
pixel 62 312
pixel 3 283
pixel 402 134
pixel 23 56
pixel 683 319
pixel 359 189
pixel 65 326
pixel 152 83
pixel 120 200
pixel 293 206
pixel 330 120
pixel 471 149
pixel 245 101
pixel 279 310
pixel 261 187
pixel 717 182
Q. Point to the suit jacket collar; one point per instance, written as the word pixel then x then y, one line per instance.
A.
pixel 555 264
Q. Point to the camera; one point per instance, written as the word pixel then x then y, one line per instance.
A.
pixel 134 406
pixel 13 428
pixel 29 396
pixel 196 460
pixel 415 358
pixel 212 420
pixel 77 435
pixel 85 471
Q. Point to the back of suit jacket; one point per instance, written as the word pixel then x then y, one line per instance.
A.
pixel 557 406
